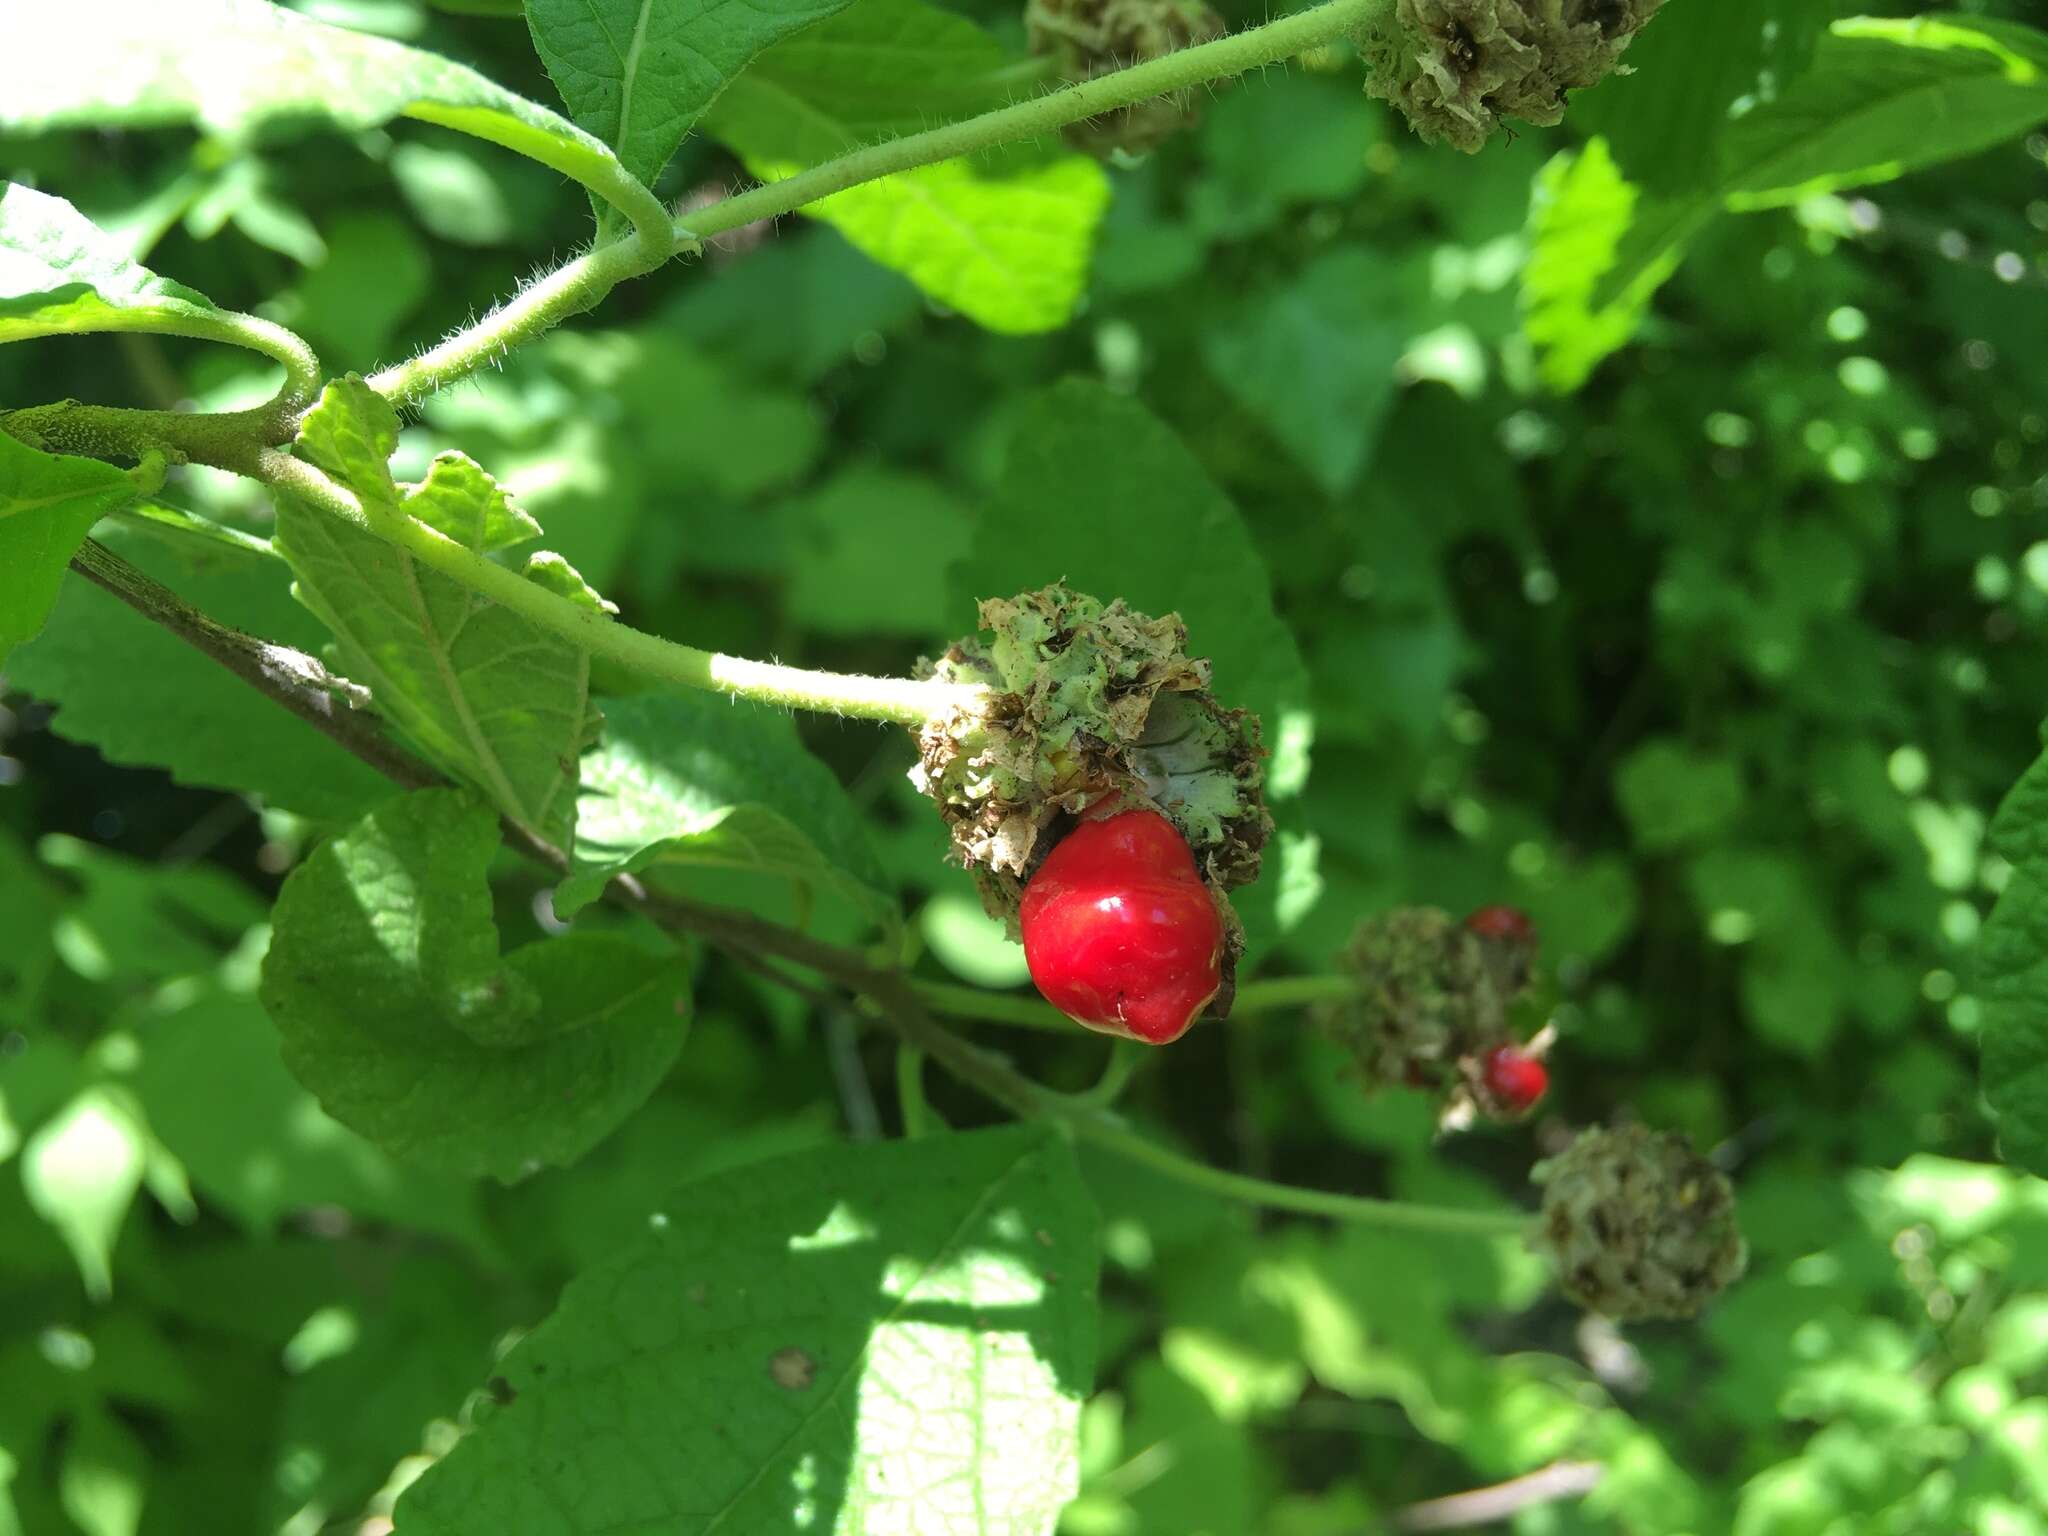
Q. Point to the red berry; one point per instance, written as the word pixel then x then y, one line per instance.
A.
pixel 1510 923
pixel 1516 1078
pixel 1119 931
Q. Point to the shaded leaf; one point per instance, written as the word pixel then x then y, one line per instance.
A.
pixel 2013 977
pixel 1314 360
pixel 142 696
pixel 692 782
pixel 398 1012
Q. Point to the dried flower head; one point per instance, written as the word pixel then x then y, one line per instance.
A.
pixel 1456 68
pixel 1087 701
pixel 1638 1225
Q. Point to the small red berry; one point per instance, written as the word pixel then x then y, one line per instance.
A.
pixel 1119 931
pixel 1510 923
pixel 1516 1078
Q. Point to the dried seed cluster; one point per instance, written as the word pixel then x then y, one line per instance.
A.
pixel 1456 68
pixel 1432 1007
pixel 1638 1225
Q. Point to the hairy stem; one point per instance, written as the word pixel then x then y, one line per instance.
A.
pixel 904 701
pixel 580 284
pixel 570 289
pixel 1253 48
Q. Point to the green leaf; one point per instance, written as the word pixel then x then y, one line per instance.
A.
pixel 493 699
pixel 1277 140
pixel 688 783
pixel 81 1171
pixel 1004 239
pixel 1314 360
pixel 1686 78
pixel 144 697
pixel 277 1153
pixel 398 1012
pixel 1885 97
pixel 891 1336
pixel 638 74
pixel 1582 213
pixel 1673 796
pixel 2012 977
pixel 48 504
pixel 105 1477
pixel 59 273
pixel 134 923
pixel 461 500
pixel 235 68
pixel 872 554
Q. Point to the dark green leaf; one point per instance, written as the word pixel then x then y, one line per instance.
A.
pixel 141 695
pixel 2013 976
pixel 48 503
pixel 1314 359
pixel 400 1015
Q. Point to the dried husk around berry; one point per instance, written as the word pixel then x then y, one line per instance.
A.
pixel 1637 1225
pixel 1457 68
pixel 1090 704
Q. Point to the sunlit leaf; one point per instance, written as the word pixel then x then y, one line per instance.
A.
pixel 1004 239
pixel 897 1335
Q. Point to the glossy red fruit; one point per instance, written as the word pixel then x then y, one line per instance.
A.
pixel 1510 923
pixel 1119 931
pixel 1517 1079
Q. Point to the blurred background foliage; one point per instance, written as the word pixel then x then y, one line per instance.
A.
pixel 1717 662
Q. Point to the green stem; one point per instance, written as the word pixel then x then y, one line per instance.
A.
pixel 957 1002
pixel 1103 1132
pixel 902 1006
pixel 1253 998
pixel 1280 993
pixel 1125 1057
pixel 1254 48
pixel 919 1119
pixel 902 700
pixel 570 289
pixel 580 284
pixel 225 439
